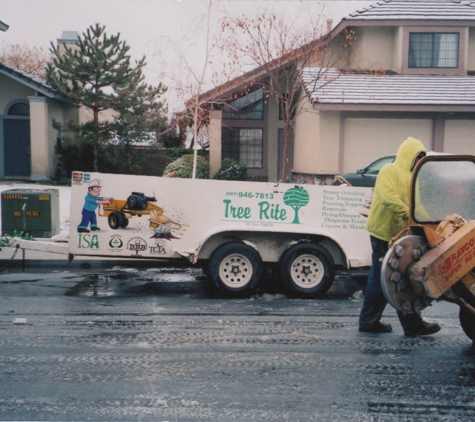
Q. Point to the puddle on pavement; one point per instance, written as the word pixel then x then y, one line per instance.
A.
pixel 126 282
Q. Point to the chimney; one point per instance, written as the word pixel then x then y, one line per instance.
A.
pixel 69 38
pixel 329 25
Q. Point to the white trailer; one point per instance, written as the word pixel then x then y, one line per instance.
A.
pixel 232 229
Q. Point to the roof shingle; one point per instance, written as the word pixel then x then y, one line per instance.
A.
pixel 416 10
pixel 335 87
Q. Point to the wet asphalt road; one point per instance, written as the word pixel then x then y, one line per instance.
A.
pixel 151 344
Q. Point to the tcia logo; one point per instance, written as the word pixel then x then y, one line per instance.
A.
pixel 116 242
pixel 158 248
pixel 137 245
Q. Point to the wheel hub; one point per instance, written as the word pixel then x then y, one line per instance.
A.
pixel 235 270
pixel 307 271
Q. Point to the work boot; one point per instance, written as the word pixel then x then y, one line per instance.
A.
pixel 422 329
pixel 83 231
pixel 378 327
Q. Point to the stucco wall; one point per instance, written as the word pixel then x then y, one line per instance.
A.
pixel 306 138
pixel 40 159
pixel 328 148
pixel 374 48
pixel 57 112
pixel 11 91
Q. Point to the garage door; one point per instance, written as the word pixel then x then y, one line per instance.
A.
pixel 368 139
pixel 459 137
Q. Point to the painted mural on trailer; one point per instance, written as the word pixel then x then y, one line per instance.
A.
pixel 102 213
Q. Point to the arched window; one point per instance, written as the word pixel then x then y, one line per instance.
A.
pixel 19 109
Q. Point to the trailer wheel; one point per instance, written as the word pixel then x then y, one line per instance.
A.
pixel 307 271
pixel 235 269
pixel 125 221
pixel 115 220
pixel 467 322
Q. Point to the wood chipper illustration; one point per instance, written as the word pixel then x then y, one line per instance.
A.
pixel 120 211
pixel 434 258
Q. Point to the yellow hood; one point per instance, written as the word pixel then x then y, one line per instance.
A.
pixel 390 207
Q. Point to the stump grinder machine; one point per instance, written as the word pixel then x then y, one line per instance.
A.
pixel 433 259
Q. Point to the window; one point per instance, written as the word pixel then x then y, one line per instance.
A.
pixel 19 109
pixel 433 50
pixel 244 145
pixel 249 107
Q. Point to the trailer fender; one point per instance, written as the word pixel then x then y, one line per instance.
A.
pixel 270 245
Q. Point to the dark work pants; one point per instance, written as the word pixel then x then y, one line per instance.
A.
pixel 374 300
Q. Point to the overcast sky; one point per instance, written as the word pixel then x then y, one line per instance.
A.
pixel 144 23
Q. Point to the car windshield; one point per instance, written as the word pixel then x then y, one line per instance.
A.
pixel 374 168
pixel 444 187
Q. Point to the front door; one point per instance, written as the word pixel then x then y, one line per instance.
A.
pixel 16 137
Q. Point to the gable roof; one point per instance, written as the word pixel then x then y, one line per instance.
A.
pixel 347 91
pixel 29 80
pixel 395 11
pixel 400 12
pixel 416 10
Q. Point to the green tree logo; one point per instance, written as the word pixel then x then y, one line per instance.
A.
pixel 296 198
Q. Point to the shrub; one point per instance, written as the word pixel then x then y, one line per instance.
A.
pixel 117 159
pixel 232 170
pixel 184 167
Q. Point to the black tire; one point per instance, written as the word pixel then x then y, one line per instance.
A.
pixel 467 322
pixel 115 220
pixel 307 271
pixel 125 221
pixel 132 202
pixel 235 269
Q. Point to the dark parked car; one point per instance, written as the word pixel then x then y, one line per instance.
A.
pixel 367 176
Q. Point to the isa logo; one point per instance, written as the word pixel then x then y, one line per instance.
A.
pixel 88 241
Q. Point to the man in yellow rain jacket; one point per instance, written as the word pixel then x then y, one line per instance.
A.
pixel 387 217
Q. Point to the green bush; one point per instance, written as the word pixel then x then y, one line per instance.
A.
pixel 184 167
pixel 232 170
pixel 117 159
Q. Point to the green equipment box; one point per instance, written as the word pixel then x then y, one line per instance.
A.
pixel 33 211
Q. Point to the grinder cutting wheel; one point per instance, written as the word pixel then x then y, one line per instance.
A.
pixel 400 292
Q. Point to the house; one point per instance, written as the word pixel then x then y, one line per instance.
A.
pixel 28 143
pixel 409 71
pixel 27 139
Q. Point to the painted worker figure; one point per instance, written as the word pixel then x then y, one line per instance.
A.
pixel 388 215
pixel 92 201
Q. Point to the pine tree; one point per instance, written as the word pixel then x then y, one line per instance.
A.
pixel 97 73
